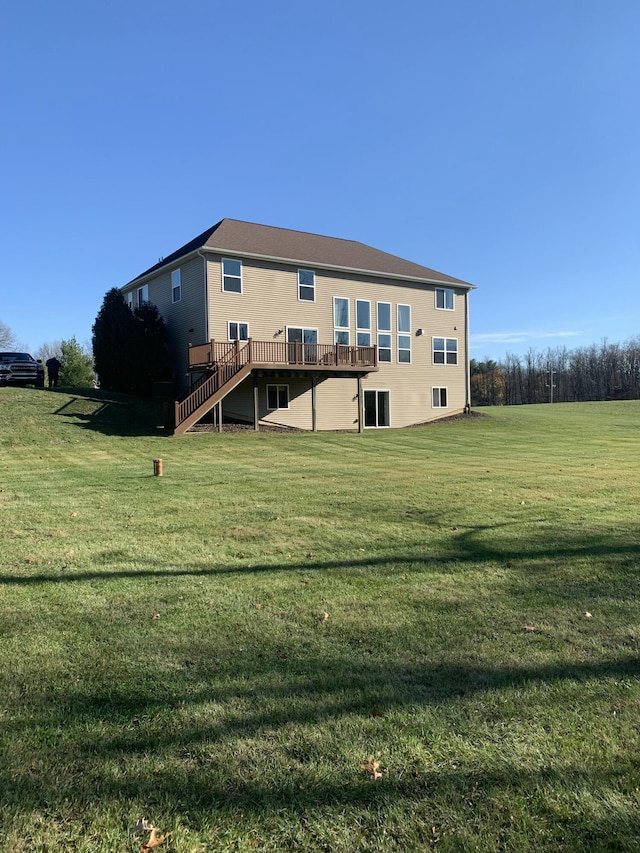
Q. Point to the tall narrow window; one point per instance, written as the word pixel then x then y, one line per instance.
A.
pixel 444 298
pixel 238 331
pixel 376 409
pixel 384 331
pixel 176 286
pixel 340 320
pixel 143 294
pixel 231 275
pixel 404 334
pixel 363 323
pixel 306 286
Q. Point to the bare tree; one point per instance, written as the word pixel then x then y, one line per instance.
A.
pixel 7 338
pixel 49 349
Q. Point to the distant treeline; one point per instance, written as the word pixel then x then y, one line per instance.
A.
pixel 597 372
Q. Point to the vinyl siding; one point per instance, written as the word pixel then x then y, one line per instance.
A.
pixel 180 317
pixel 269 304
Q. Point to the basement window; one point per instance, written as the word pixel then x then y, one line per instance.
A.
pixel 277 397
pixel 439 398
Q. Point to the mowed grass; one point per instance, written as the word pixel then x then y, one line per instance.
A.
pixel 220 649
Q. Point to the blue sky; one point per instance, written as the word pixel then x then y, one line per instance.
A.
pixel 497 141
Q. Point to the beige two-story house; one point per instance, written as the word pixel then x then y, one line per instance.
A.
pixel 272 326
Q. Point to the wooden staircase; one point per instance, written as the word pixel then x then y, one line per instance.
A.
pixel 220 378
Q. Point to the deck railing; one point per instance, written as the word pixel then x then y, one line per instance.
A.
pixel 281 352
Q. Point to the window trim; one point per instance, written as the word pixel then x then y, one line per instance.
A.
pixel 439 389
pixel 237 323
pixel 230 276
pixel 312 287
pixel 445 362
pixel 445 291
pixel 176 285
pixel 278 388
pixel 144 290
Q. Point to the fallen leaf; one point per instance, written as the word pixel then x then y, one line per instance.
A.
pixel 530 629
pixel 154 840
pixel 588 615
pixel 325 616
pixel 74 515
pixel 371 766
pixel 156 616
pixel 142 825
pixel 258 606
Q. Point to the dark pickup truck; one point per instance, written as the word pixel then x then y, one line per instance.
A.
pixel 19 368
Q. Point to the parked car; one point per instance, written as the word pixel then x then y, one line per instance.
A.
pixel 20 368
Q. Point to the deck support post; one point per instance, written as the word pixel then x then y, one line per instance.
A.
pixel 314 419
pixel 360 406
pixel 219 407
pixel 256 404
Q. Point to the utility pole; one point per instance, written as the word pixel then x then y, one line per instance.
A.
pixel 550 384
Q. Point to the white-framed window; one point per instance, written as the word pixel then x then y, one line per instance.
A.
pixel 176 286
pixel 231 275
pixel 383 313
pixel 439 398
pixel 376 409
pixel 306 286
pixel 404 334
pixel 340 320
pixel 130 299
pixel 238 331
pixel 363 323
pixel 445 298
pixel 143 294
pixel 277 397
pixel 445 350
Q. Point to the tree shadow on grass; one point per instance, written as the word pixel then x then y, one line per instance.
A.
pixel 124 747
pixel 111 413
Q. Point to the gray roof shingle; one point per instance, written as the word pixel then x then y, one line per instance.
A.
pixel 231 236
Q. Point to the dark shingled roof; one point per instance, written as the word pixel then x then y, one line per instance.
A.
pixel 231 236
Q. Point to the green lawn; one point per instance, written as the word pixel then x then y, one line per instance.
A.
pixel 220 649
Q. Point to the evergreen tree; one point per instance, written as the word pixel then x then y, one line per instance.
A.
pixel 129 347
pixel 151 362
pixel 77 365
pixel 113 338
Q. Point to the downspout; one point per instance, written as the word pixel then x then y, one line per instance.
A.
pixel 206 295
pixel 467 371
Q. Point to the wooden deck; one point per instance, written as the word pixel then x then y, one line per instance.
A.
pixel 225 365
